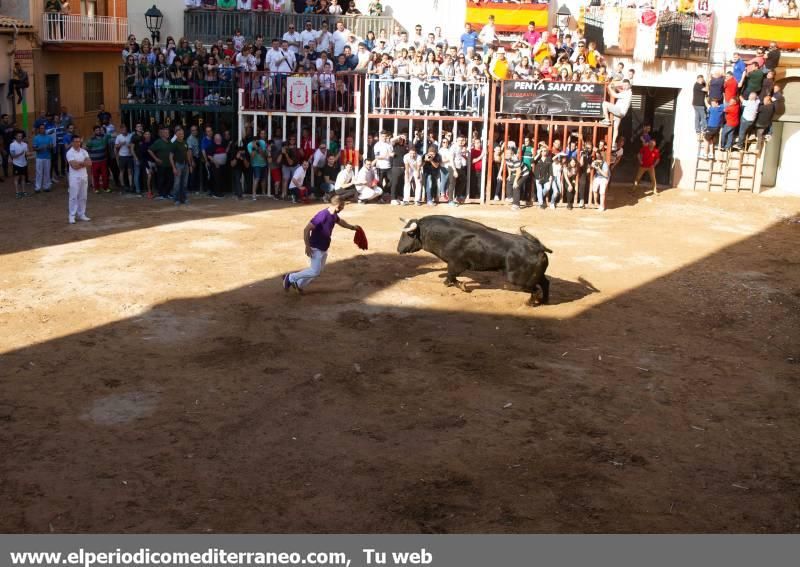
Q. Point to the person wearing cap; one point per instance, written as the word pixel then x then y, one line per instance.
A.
pixel 499 68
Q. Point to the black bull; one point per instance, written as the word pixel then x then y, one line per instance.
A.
pixel 468 245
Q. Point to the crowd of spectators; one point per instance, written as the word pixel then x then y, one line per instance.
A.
pixel 786 9
pixel 320 7
pixel 739 105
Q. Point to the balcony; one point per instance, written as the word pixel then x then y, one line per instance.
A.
pixel 210 25
pixel 76 29
pixel 180 92
pixel 678 35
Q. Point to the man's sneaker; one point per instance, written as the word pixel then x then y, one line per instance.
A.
pixel 514 207
pixel 297 288
pixel 395 202
pixel 84 218
pixel 453 203
pixel 360 201
pixel 509 200
pixel 419 203
pixel 702 155
pixel 767 137
pixel 605 122
pixel 159 198
pixel 552 205
pixel 71 221
pixel 286 283
pixel 107 190
pixel 496 198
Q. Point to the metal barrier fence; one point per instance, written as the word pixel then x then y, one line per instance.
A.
pixel 333 93
pixel 460 109
pixel 401 95
pixel 506 131
pixel 159 87
pixel 209 26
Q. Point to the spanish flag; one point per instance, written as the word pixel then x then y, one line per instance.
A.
pixel 759 32
pixel 507 17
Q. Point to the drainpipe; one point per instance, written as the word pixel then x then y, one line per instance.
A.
pixel 11 69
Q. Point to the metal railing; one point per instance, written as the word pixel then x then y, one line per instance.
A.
pixel 408 96
pixel 210 25
pixel 683 36
pixel 330 92
pixel 165 90
pixel 67 28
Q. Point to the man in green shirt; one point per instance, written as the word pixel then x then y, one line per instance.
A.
pixel 182 163
pixel 226 4
pixel 257 149
pixel 160 152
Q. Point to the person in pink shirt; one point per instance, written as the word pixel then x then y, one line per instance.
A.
pixel 531 36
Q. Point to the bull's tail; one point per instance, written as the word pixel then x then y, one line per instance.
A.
pixel 533 239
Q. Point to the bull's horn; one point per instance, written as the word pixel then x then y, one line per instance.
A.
pixel 411 228
pixel 402 220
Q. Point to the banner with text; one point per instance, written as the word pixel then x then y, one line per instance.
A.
pixel 553 98
pixel 213 550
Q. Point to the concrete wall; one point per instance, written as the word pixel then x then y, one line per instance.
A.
pixel 675 73
pixel 788 164
pixel 173 17
pixel 449 14
pixel 71 67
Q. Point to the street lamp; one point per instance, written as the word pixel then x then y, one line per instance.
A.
pixel 153 19
pixel 562 18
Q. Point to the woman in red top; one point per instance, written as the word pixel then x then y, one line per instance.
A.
pixel 476 156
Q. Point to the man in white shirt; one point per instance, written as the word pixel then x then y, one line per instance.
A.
pixel 245 5
pixel 340 37
pixel 293 40
pixel 309 34
pixel 345 185
pixel 383 159
pixel 298 181
pixel 417 40
pixel 367 183
pixel 18 150
pixel 615 111
pixel 318 161
pixel 413 177
pixel 324 38
pixel 79 164
pixel 488 35
pixel 122 148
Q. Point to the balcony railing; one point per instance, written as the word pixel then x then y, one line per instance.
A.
pixel 679 35
pixel 209 26
pixel 331 93
pixel 67 28
pixel 159 90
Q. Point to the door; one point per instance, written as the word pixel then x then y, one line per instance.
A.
pixel 52 87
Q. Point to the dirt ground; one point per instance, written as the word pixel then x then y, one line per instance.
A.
pixel 154 377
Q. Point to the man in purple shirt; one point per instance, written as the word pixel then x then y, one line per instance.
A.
pixel 317 237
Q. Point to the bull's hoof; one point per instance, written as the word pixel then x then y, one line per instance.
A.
pixel 448 283
pixel 463 287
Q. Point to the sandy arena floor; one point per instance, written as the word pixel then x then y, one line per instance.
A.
pixel 154 377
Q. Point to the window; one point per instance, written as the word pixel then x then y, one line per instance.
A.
pixel 92 91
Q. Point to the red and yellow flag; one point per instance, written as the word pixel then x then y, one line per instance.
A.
pixel 507 17
pixel 759 32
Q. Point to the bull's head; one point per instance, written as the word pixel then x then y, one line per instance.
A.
pixel 409 239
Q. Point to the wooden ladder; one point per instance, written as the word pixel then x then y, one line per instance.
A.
pixel 732 170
